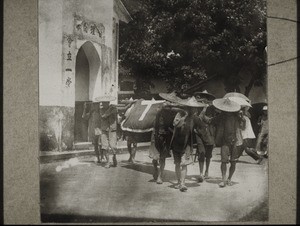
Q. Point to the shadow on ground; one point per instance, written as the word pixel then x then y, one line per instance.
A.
pixel 239 161
pixel 72 218
pixel 258 214
pixel 145 167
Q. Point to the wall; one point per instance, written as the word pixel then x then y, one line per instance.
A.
pixel 50 52
pixel 60 39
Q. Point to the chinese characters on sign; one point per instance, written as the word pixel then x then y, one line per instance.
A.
pixel 68 82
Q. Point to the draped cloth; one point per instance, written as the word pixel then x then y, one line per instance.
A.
pixel 141 117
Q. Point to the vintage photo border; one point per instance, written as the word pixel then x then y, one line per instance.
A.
pixel 20 115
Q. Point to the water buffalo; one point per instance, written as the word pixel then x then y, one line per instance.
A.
pixel 149 121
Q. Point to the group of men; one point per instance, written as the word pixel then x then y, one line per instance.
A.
pixel 206 122
pixel 180 124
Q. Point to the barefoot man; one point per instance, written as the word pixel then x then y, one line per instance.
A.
pixel 228 136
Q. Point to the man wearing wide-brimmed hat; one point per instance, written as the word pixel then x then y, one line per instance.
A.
pixel 182 140
pixel 162 133
pixel 108 128
pixel 227 135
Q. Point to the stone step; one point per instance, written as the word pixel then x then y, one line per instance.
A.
pixel 83 146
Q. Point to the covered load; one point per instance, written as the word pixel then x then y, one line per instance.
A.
pixel 141 115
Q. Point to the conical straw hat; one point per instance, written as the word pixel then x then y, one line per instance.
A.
pixel 235 94
pixel 192 102
pixel 204 94
pixel 240 101
pixel 225 104
pixel 170 97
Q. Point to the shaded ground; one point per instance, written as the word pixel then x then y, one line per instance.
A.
pixel 87 192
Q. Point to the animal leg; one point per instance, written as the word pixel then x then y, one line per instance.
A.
pixel 155 165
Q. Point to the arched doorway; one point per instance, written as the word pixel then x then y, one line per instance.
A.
pixel 86 72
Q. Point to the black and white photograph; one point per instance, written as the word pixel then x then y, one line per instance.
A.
pixel 153 111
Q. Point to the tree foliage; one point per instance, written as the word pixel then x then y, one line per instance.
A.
pixel 186 41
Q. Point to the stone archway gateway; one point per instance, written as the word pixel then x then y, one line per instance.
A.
pixel 87 72
pixel 78 62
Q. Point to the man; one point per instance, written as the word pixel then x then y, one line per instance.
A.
pixel 108 128
pixel 204 133
pixel 162 134
pixel 248 135
pixel 228 136
pixel 93 116
pixel 247 131
pixel 182 140
pixel 205 142
pixel 262 139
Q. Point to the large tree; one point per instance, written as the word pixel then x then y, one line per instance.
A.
pixel 186 41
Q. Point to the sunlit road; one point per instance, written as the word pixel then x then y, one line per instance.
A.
pixel 87 192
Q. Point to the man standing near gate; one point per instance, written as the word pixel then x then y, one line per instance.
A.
pixel 108 126
pixel 92 114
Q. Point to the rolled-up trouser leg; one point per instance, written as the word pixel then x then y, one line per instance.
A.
pixel 200 149
pixel 252 153
pixel 258 143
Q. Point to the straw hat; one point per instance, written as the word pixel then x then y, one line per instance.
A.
pixel 170 97
pixel 104 99
pixel 225 104
pixel 204 94
pixel 235 94
pixel 240 101
pixel 192 102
